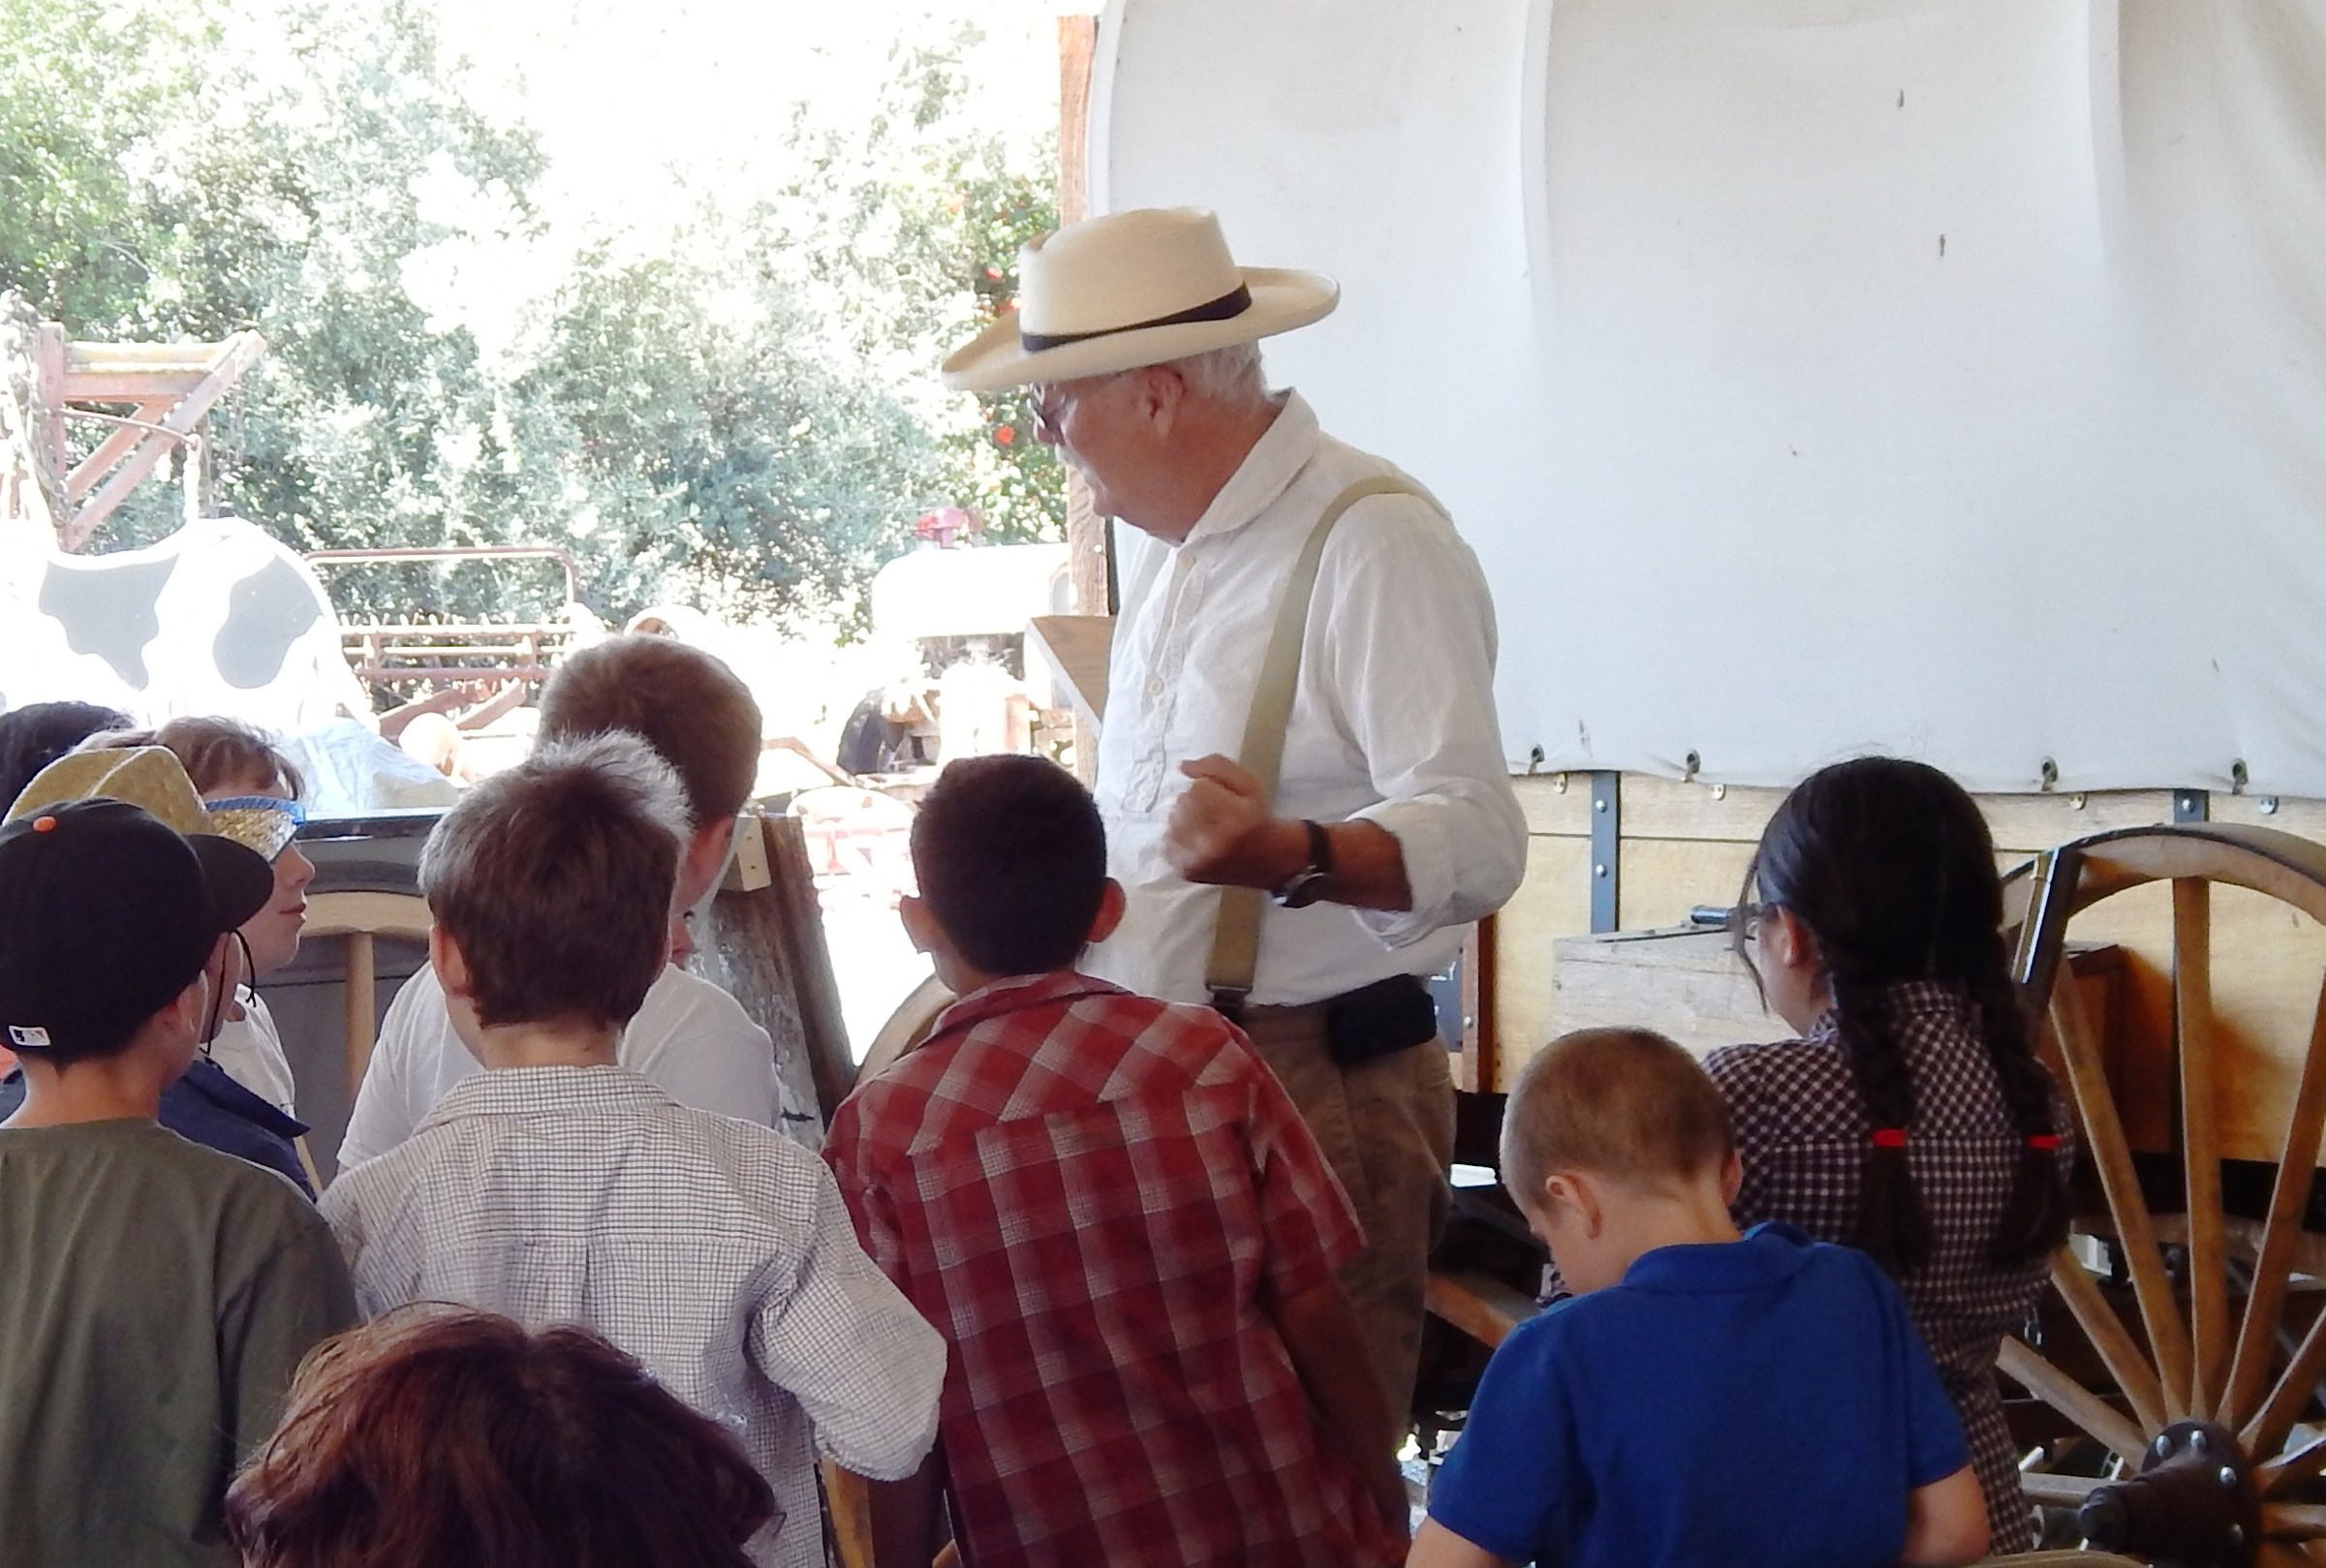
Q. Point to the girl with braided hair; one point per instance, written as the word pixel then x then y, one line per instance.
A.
pixel 1911 1119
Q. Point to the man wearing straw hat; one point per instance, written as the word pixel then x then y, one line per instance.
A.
pixel 1303 782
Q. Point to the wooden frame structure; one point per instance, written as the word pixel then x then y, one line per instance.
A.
pixel 167 389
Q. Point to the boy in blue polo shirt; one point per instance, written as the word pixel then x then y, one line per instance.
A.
pixel 1705 1398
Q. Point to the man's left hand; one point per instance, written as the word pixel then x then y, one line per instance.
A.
pixel 1221 830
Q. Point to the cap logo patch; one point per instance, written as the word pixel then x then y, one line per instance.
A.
pixel 26 1035
pixel 43 824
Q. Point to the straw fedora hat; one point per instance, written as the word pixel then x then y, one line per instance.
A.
pixel 152 776
pixel 1132 288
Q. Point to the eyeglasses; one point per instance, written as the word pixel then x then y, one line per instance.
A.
pixel 1747 919
pixel 1047 406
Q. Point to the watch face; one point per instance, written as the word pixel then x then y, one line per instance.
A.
pixel 1302 890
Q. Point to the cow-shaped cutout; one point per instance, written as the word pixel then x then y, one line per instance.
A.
pixel 219 618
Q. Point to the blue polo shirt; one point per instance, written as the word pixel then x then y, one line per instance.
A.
pixel 1762 1401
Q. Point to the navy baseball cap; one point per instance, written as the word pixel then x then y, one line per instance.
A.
pixel 106 914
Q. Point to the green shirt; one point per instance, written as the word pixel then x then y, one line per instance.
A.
pixel 155 1297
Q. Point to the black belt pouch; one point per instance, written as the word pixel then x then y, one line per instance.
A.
pixel 1374 1020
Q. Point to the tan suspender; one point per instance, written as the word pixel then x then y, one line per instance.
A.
pixel 1236 937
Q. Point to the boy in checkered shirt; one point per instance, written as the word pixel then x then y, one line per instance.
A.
pixel 560 1187
pixel 1120 1223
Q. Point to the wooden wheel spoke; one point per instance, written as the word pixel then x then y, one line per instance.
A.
pixel 2299 1466
pixel 2293 1521
pixel 2112 1157
pixel 2100 1421
pixel 2131 1369
pixel 2265 1434
pixel 2058 1491
pixel 2278 1555
pixel 2200 1142
pixel 2289 1196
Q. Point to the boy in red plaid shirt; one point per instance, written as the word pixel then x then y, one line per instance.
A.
pixel 1122 1228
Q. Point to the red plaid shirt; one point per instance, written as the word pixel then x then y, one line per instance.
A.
pixel 1095 1196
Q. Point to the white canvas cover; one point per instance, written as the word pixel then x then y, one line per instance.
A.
pixel 1811 376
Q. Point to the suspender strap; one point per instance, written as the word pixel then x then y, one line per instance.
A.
pixel 1236 937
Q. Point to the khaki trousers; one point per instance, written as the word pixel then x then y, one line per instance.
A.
pixel 1387 1127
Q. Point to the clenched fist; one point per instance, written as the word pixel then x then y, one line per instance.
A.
pixel 1221 830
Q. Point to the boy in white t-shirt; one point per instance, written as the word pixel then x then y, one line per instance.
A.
pixel 690 1038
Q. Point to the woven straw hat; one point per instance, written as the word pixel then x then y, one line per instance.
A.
pixel 1132 288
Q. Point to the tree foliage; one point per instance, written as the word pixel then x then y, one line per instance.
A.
pixel 741 413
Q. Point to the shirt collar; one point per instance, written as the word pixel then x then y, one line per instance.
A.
pixel 1017 994
pixel 1769 1252
pixel 525 1091
pixel 1903 1000
pixel 1267 470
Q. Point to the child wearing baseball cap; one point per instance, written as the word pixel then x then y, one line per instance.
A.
pixel 157 1295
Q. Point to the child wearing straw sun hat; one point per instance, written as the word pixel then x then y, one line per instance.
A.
pixel 156 1294
pixel 204 1103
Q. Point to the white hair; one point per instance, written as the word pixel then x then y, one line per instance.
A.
pixel 1229 375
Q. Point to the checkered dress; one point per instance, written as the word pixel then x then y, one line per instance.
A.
pixel 1094 1196
pixel 1803 1133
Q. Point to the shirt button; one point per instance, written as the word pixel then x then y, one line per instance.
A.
pixel 1154 687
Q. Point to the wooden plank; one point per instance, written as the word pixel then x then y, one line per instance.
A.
pixel 118 444
pixel 1474 1062
pixel 1664 878
pixel 198 357
pixel 1690 985
pixel 1075 650
pixel 234 356
pixel 125 385
pixel 1554 900
pixel 1479 1305
pixel 1555 803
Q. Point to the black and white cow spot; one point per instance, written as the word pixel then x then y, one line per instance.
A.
pixel 266 612
pixel 107 608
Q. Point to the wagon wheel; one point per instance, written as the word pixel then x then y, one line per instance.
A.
pixel 2206 1393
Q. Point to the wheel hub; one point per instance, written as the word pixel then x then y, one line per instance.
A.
pixel 2192 1505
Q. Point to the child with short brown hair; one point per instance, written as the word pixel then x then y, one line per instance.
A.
pixel 689 1038
pixel 559 1186
pixel 1706 1396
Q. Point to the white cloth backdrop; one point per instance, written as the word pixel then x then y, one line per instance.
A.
pixel 1811 376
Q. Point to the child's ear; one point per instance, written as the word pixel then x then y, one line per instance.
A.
pixel 443 956
pixel 1575 1193
pixel 1732 1178
pixel 1796 943
pixel 1111 904
pixel 920 926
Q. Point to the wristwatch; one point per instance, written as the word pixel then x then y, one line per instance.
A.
pixel 1306 885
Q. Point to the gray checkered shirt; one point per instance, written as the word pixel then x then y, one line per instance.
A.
pixel 714 1251
pixel 1803 1133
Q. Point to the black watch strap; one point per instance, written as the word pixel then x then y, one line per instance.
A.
pixel 1321 848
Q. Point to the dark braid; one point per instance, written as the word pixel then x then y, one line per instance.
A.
pixel 2034 1219
pixel 1891 1227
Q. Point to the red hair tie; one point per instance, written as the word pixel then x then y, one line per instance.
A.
pixel 1889 1137
pixel 2045 1141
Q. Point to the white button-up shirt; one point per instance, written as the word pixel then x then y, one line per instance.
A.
pixel 716 1251
pixel 1392 723
pixel 690 1038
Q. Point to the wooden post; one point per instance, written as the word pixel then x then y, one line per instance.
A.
pixel 1085 529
